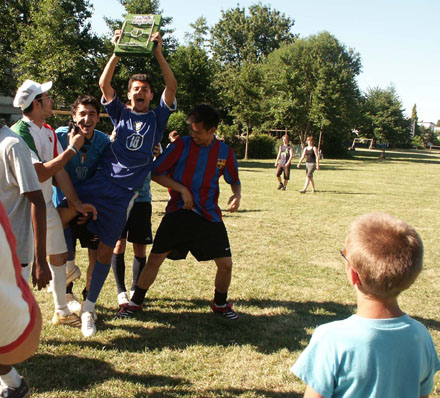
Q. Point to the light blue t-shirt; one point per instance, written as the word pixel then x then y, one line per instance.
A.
pixel 361 357
pixel 144 193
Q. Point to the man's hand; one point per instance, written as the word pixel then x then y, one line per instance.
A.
pixel 188 202
pixel 157 150
pixel 86 209
pixel 116 36
pixel 76 140
pixel 234 203
pixel 41 275
pixel 157 38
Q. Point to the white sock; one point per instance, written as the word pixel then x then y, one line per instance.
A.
pixel 122 298
pixel 59 288
pixel 26 272
pixel 70 264
pixel 88 306
pixel 11 379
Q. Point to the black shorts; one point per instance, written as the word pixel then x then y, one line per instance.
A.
pixel 86 238
pixel 185 231
pixel 285 170
pixel 138 226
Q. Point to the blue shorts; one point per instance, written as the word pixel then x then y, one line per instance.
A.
pixel 113 204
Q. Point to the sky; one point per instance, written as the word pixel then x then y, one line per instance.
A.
pixel 398 40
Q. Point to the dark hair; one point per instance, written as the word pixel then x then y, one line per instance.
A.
pixel 140 77
pixel 86 100
pixel 206 114
pixel 31 106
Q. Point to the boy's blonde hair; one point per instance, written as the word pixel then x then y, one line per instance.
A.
pixel 386 253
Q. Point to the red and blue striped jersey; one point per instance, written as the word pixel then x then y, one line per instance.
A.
pixel 199 169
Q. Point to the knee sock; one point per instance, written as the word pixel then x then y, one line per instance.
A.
pixel 118 267
pixel 11 379
pixel 138 296
pixel 138 266
pixel 26 271
pixel 59 288
pixel 99 275
pixel 220 298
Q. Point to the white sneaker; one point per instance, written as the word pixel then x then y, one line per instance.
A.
pixel 88 327
pixel 73 274
pixel 73 303
pixel 122 298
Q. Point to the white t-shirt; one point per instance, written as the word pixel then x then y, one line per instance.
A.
pixel 18 176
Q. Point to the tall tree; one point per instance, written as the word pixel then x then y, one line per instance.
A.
pixel 312 88
pixel 200 31
pixel 385 118
pixel 414 121
pixel 58 45
pixel 194 71
pixel 14 19
pixel 238 37
pixel 241 88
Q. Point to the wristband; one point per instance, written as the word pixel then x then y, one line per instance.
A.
pixel 71 147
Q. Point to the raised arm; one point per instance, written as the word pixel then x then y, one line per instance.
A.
pixel 167 73
pixel 107 74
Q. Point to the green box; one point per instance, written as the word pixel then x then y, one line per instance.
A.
pixel 136 32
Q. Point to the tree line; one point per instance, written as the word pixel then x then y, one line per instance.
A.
pixel 250 65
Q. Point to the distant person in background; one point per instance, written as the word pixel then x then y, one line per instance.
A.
pixel 20 316
pixel 310 152
pixel 283 161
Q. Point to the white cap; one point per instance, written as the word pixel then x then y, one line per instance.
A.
pixel 27 92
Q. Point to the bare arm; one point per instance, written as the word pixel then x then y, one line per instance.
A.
pixel 41 275
pixel 65 184
pixel 290 157
pixel 107 74
pixel 278 157
pixel 316 157
pixel 168 182
pixel 48 169
pixel 167 73
pixel 302 157
pixel 311 393
pixel 234 200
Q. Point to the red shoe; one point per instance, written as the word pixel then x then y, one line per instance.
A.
pixel 128 311
pixel 226 311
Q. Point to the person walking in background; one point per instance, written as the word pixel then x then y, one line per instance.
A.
pixel 310 152
pixel 283 161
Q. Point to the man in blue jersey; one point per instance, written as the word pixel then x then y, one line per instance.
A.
pixel 85 113
pixel 197 162
pixel 125 164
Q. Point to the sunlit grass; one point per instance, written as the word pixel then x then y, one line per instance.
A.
pixel 288 278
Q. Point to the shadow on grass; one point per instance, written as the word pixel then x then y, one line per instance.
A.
pixel 225 393
pixel 177 324
pixel 84 373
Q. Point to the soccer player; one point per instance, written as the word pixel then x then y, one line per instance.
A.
pixel 125 164
pixel 196 162
pixel 49 160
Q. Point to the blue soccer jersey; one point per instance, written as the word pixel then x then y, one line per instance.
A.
pixel 199 169
pixel 84 164
pixel 130 157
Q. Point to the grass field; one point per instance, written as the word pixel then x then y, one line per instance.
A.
pixel 288 278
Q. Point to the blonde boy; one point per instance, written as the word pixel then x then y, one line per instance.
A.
pixel 380 351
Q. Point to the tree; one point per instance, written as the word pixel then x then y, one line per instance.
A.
pixel 14 19
pixel 57 45
pixel 194 72
pixel 414 121
pixel 238 37
pixel 385 120
pixel 312 88
pixel 241 88
pixel 200 30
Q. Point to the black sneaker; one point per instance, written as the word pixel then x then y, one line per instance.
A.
pixel 281 186
pixel 23 391
pixel 226 311
pixel 128 311
pixel 85 293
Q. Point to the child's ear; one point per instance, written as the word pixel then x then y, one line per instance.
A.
pixel 212 130
pixel 353 276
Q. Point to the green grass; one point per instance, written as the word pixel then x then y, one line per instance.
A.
pixel 288 278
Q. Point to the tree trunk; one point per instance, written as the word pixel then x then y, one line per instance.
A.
pixel 247 143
